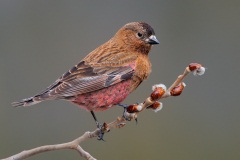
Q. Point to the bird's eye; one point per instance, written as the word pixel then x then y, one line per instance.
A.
pixel 139 34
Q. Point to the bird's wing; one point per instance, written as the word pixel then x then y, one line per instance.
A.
pixel 87 77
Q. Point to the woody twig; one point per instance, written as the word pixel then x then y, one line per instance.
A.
pixel 131 112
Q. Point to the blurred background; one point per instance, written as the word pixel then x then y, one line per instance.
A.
pixel 41 39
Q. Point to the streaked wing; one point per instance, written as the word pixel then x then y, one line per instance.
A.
pixel 84 78
pixel 79 84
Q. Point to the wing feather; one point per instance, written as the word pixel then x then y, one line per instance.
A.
pixel 87 77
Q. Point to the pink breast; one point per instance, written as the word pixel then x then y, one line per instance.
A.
pixel 105 98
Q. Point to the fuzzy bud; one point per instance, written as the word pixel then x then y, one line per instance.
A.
pixel 156 106
pixel 159 86
pixel 197 69
pixel 176 91
pixel 194 66
pixel 134 108
pixel 158 92
pixel 200 71
pixel 105 127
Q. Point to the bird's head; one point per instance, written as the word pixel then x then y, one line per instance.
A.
pixel 139 36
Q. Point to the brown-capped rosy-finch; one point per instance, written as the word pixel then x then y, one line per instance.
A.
pixel 107 75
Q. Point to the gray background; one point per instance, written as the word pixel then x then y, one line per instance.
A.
pixel 40 40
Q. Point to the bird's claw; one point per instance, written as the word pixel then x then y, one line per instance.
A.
pixel 125 106
pixel 101 133
pixel 102 129
pixel 126 118
pixel 100 136
pixel 124 115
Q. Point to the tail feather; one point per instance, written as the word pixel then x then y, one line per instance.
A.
pixel 25 102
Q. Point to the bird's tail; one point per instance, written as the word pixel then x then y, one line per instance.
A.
pixel 26 102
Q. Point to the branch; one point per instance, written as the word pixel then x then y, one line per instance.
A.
pixel 131 112
pixel 69 145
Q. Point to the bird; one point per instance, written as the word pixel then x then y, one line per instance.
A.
pixel 107 75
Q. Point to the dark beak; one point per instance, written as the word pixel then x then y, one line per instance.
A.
pixel 152 40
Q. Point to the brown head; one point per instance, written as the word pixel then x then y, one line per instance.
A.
pixel 137 36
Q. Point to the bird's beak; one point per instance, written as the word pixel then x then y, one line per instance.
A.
pixel 152 40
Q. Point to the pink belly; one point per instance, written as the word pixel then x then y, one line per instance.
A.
pixel 105 98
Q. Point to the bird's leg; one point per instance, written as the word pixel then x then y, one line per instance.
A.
pixel 99 126
pixel 124 110
pixel 94 116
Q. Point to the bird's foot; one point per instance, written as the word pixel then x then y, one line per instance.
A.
pixel 128 110
pixel 102 129
pixel 125 106
pixel 101 133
